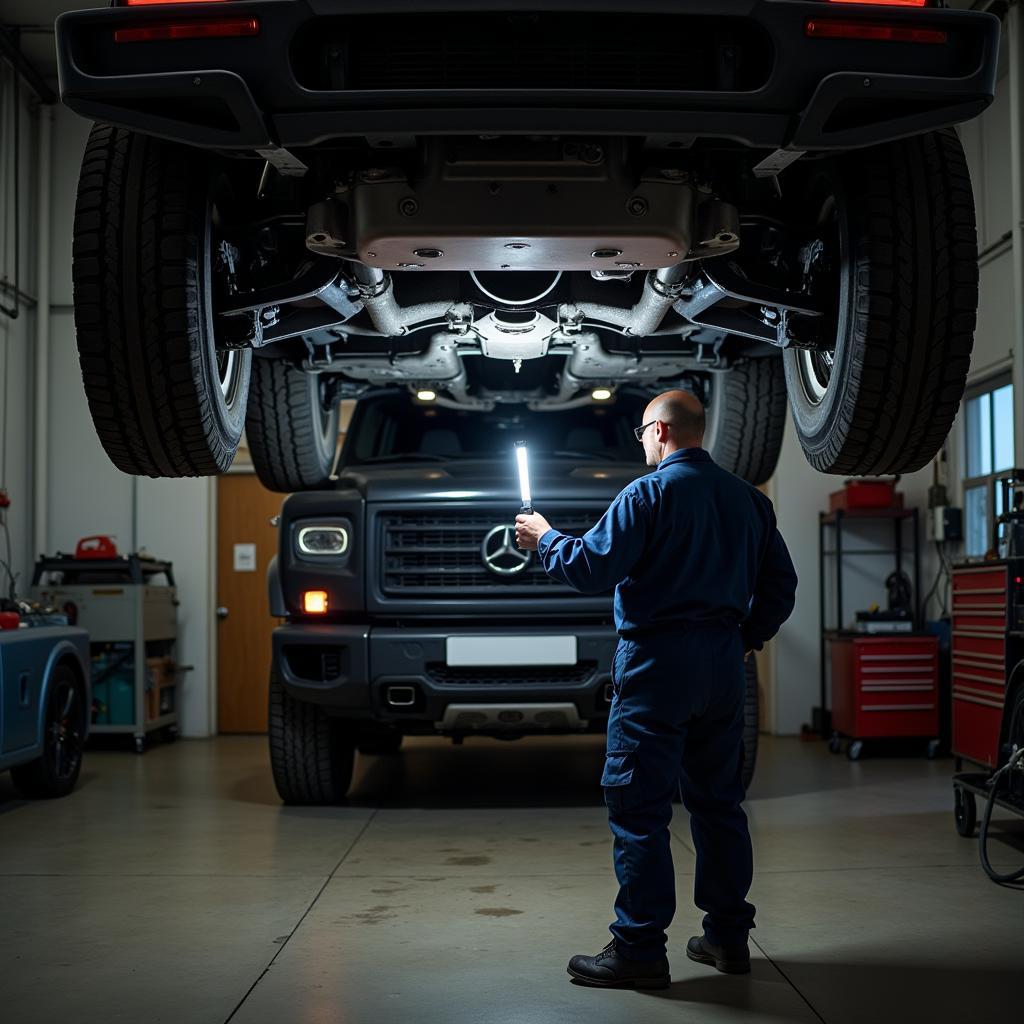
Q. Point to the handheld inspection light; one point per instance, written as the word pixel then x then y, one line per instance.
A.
pixel 524 477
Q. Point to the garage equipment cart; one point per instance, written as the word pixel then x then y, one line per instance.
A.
pixel 988 691
pixel 132 623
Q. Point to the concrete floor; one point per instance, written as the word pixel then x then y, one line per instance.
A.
pixel 174 887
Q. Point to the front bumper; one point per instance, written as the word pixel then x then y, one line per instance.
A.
pixel 352 669
pixel 265 91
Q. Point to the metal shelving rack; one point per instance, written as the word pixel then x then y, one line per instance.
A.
pixel 827 520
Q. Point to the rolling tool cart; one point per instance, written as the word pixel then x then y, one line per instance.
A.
pixel 132 623
pixel 988 678
pixel 884 673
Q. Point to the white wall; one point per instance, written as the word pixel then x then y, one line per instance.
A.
pixel 799 493
pixel 17 335
pixel 86 494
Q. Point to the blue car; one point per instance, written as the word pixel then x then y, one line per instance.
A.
pixel 44 707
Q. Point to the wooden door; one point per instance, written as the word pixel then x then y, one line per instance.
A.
pixel 245 544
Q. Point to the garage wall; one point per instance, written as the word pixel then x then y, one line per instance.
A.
pixel 17 335
pixel 168 518
pixel 799 493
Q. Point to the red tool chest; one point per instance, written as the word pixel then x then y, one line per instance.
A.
pixel 979 660
pixel 885 686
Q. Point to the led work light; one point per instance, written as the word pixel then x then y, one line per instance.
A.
pixel 524 477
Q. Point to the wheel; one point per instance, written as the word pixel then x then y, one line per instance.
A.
pixel 169 733
pixel 383 744
pixel 965 812
pixel 895 261
pixel 746 416
pixel 750 723
pixel 291 426
pixel 164 401
pixel 933 750
pixel 311 754
pixel 55 772
pixel 854 750
pixel 835 745
pixel 140 744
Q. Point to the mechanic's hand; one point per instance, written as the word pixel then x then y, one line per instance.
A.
pixel 529 530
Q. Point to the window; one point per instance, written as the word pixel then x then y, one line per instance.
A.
pixel 989 443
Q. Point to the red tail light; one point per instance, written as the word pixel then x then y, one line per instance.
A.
pixel 867 3
pixel 220 29
pixel 830 28
pixel 166 3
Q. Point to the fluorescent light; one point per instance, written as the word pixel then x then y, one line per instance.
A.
pixel 426 396
pixel 524 473
pixel 600 394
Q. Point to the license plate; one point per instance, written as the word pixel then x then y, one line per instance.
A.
pixel 511 650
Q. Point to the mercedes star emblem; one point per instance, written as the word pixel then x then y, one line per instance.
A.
pixel 500 553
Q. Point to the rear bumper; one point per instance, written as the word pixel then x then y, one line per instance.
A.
pixel 351 669
pixel 258 92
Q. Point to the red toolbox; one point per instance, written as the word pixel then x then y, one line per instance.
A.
pixel 979 658
pixel 885 686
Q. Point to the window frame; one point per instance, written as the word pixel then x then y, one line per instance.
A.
pixel 987 480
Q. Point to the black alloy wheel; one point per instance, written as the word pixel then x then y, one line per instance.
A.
pixel 55 772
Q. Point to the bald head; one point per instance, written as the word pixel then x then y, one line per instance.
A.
pixel 683 412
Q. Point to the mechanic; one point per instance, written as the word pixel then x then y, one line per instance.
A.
pixel 702 578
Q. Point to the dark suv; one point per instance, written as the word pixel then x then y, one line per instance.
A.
pixel 410 609
pixel 286 202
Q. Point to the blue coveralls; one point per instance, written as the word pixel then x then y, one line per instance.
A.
pixel 701 574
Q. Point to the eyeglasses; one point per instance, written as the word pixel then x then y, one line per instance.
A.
pixel 639 431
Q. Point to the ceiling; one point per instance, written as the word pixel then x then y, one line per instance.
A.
pixel 35 20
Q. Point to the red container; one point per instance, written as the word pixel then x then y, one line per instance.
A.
pixel 866 494
pixel 9 620
pixel 96 547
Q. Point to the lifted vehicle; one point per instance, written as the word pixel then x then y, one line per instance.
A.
pixel 291 201
pixel 410 609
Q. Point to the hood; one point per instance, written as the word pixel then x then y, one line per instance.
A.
pixel 489 480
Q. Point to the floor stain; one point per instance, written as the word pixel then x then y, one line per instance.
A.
pixel 497 911
pixel 429 879
pixel 528 839
pixel 468 861
pixel 594 842
pixel 384 892
pixel 374 918
pixel 482 888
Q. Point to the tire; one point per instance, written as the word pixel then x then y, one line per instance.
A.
pixel 746 417
pixel 164 403
pixel 750 725
pixel 897 222
pixel 311 754
pixel 292 437
pixel 965 812
pixel 55 772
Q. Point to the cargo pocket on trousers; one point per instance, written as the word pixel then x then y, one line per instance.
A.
pixel 618 768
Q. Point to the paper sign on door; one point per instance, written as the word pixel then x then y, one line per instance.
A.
pixel 245 558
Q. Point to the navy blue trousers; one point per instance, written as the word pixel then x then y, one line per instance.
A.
pixel 677 720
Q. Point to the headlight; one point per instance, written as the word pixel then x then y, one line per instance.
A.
pixel 323 540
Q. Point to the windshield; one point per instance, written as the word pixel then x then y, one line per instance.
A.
pixel 395 426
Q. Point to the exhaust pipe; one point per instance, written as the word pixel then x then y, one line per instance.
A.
pixel 400 696
pixel 378 295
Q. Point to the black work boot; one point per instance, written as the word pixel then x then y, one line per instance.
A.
pixel 610 969
pixel 727 959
